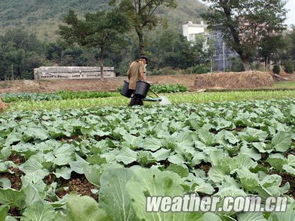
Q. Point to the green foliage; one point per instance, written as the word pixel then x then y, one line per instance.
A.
pixel 67 95
pixel 8 98
pixel 200 69
pixel 236 65
pixel 246 25
pixel 289 66
pixel 276 69
pixel 142 15
pixel 169 88
pixel 171 151
pixel 43 19
pixel 176 98
pixel 165 88
pixel 20 53
pixel 100 30
pixel 61 95
pixel 172 49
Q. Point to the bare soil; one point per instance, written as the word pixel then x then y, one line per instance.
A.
pixel 77 184
pixel 110 84
pixel 3 106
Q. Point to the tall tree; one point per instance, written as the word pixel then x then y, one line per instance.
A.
pixel 99 30
pixel 290 38
pixel 245 23
pixel 21 52
pixel 272 48
pixel 142 14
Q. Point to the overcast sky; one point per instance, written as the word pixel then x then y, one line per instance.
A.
pixel 291 13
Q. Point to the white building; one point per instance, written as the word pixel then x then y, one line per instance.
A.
pixel 191 30
pixel 222 54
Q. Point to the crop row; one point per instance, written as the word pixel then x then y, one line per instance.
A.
pixel 116 156
pixel 177 98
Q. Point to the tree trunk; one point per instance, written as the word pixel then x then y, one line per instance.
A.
pixel 246 65
pixel 101 61
pixel 140 40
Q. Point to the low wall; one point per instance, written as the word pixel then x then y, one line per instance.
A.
pixel 65 72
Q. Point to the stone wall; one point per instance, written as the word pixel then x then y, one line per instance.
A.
pixel 59 72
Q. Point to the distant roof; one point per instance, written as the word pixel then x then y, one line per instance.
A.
pixel 191 24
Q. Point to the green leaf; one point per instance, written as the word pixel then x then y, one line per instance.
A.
pixel 202 186
pixel 38 133
pixel 289 169
pixel 181 170
pixel 176 159
pixel 249 181
pixel 253 135
pixel 3 212
pixel 63 155
pixel 206 136
pixel 289 215
pixel 5 183
pixel 161 154
pixel 39 212
pixel 152 143
pixel 277 161
pixel 263 147
pixel 282 141
pixel 145 158
pixel 12 197
pixel 126 156
pixel 198 158
pixel 210 217
pixel 93 173
pixel 153 182
pixel 32 195
pixel 84 208
pixel 64 172
pixel 251 217
pixel 113 195
pixel 216 175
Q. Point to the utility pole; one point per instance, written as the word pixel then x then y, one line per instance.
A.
pixel 223 57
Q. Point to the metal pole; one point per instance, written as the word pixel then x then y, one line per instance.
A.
pixel 223 59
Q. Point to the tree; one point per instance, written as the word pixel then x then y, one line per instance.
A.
pixel 290 38
pixel 245 23
pixel 100 30
pixel 272 48
pixel 20 53
pixel 141 14
pixel 172 49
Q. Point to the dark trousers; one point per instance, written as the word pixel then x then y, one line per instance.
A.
pixel 136 100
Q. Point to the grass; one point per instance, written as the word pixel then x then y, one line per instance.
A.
pixel 174 98
pixel 285 84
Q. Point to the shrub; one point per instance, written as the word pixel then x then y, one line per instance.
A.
pixel 201 69
pixel 236 65
pixel 169 88
pixel 165 88
pixel 289 66
pixel 276 69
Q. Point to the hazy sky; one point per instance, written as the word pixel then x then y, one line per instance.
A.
pixel 291 14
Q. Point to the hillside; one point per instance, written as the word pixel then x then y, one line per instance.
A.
pixel 42 17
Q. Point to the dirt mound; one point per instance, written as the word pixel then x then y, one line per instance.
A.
pixel 2 105
pixel 233 80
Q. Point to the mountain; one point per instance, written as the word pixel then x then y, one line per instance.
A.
pixel 43 16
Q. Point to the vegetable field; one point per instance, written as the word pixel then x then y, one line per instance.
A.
pixel 177 98
pixel 100 163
